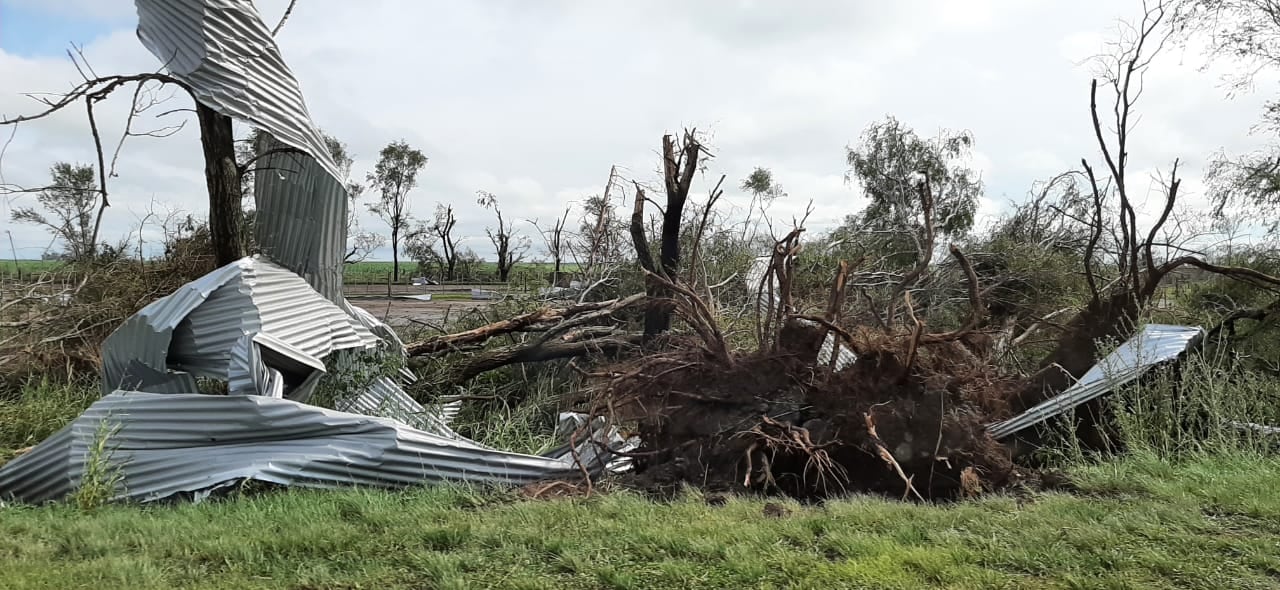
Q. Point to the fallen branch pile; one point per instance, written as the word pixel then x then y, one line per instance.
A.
pixel 553 333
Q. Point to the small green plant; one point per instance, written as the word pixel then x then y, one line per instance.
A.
pixel 351 372
pixel 514 413
pixel 101 480
pixel 1198 408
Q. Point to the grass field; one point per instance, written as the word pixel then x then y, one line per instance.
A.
pixel 8 267
pixel 360 272
pixel 378 271
pixel 1211 522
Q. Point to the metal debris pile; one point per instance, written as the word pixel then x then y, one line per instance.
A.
pixel 265 327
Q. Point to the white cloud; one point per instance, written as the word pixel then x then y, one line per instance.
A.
pixel 535 101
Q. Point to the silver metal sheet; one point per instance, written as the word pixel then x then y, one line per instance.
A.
pixel 266 326
pixel 199 328
pixel 301 217
pixel 1154 344
pixel 167 444
pixel 224 51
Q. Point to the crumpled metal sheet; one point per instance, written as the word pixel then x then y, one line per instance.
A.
pixel 198 330
pixel 1154 344
pixel 301 219
pixel 170 444
pixel 268 327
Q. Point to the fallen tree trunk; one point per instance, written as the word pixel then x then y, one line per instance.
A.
pixel 577 330
pixel 542 320
pixel 538 351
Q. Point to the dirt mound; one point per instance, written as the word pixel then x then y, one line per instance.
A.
pixel 902 420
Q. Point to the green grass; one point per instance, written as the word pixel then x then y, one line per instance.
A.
pixel 39 409
pixel 33 267
pixel 1211 522
pixel 377 271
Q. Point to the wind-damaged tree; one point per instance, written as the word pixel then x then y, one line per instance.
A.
pixel 891 162
pixel 764 191
pixel 679 163
pixel 599 239
pixel 395 174
pixel 1246 32
pixel 69 204
pixel 919 190
pixel 554 244
pixel 1121 268
pixel 423 242
pixel 509 248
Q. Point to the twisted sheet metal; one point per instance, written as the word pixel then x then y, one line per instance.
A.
pixel 301 217
pixel 1154 344
pixel 224 51
pixel 200 330
pixel 170 444
pixel 227 56
pixel 264 328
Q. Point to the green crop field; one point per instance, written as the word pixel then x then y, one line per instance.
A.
pixel 32 267
pixel 378 271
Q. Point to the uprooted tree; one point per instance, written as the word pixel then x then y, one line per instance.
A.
pixel 1124 269
pixel 892 393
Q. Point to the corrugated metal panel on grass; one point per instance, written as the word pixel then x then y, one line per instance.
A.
pixel 1154 344
pixel 169 444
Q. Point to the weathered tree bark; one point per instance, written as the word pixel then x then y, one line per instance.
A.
pixel 542 351
pixel 678 170
pixel 545 319
pixel 395 252
pixel 226 216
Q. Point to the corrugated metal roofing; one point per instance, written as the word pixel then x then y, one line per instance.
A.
pixel 169 444
pixel 265 326
pixel 1154 344
pixel 199 328
pixel 301 218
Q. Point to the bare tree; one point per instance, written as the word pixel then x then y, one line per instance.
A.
pixel 680 162
pixel 395 174
pixel 69 204
pixel 598 236
pixel 92 91
pixel 1121 268
pixel 554 243
pixel 433 244
pixel 510 248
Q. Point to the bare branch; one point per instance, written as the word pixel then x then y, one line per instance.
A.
pixel 287 11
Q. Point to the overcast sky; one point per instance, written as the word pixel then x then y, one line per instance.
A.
pixel 534 101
